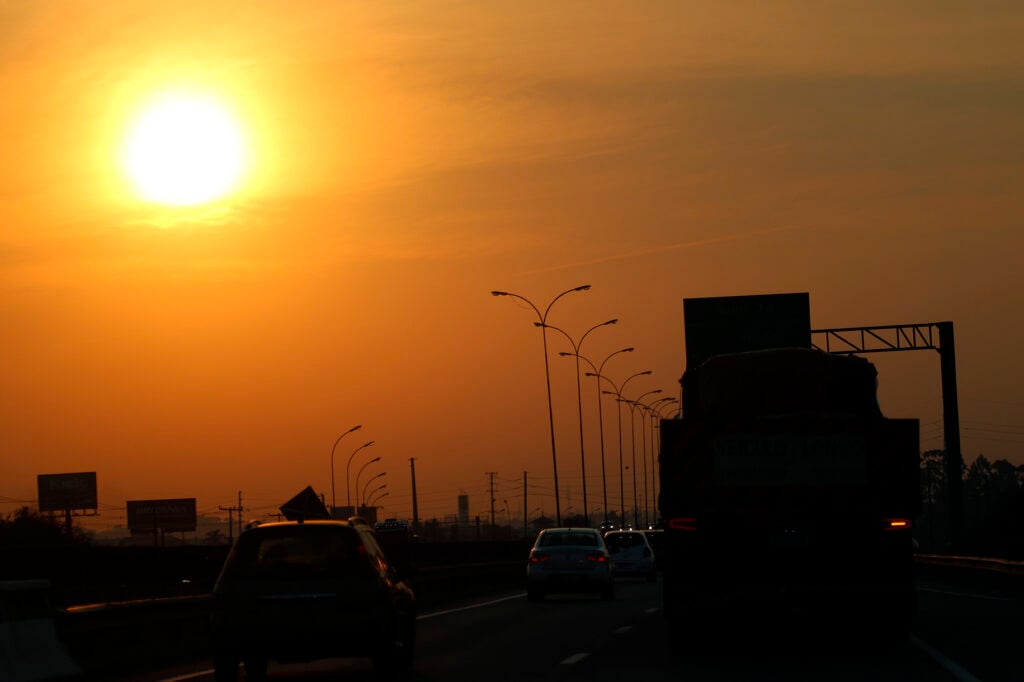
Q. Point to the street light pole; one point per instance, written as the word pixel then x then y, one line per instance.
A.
pixel 654 409
pixel 579 403
pixel 348 470
pixel 618 413
pixel 632 426
pixel 543 318
pixel 600 421
pixel 358 474
pixel 334 501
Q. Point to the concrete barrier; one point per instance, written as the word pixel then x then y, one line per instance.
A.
pixel 29 648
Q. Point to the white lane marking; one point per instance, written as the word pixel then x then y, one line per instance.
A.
pixel 958 671
pixel 435 614
pixel 575 658
pixel 624 629
pixel 190 676
pixel 966 595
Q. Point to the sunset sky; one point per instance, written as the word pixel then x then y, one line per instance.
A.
pixel 403 159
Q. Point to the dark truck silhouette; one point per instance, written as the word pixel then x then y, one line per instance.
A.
pixel 784 486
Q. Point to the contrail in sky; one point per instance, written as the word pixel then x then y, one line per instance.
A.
pixel 661 249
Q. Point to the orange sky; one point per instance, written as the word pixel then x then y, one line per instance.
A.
pixel 411 157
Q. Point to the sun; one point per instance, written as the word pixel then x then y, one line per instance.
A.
pixel 184 149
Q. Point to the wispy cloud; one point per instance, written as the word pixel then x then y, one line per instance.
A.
pixel 662 249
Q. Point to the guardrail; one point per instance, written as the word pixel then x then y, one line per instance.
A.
pixel 971 562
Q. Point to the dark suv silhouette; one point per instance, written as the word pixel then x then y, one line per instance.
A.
pixel 298 591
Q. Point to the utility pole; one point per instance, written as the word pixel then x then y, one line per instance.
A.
pixel 526 513
pixel 415 502
pixel 231 518
pixel 491 475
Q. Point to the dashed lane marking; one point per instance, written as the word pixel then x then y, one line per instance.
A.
pixel 190 676
pixel 955 669
pixel 967 595
pixel 575 658
pixel 435 614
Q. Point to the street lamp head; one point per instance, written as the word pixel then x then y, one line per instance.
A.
pixel 582 288
pixel 613 321
pixel 366 445
pixel 645 372
pixel 627 350
pixel 589 374
pixel 499 293
pixel 355 428
pixel 375 459
pixel 610 392
pixel 566 354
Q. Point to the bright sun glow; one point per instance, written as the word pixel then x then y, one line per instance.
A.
pixel 184 149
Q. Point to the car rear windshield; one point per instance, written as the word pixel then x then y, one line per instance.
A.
pixel 568 539
pixel 624 539
pixel 298 551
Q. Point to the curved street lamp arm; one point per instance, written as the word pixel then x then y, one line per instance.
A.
pixel 600 367
pixel 373 503
pixel 334 501
pixel 630 378
pixel 348 471
pixel 521 298
pixel 365 487
pixel 582 287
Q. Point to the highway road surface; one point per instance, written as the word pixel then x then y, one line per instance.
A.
pixel 961 635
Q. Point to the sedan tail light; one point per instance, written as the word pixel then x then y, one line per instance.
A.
pixel 596 556
pixel 538 558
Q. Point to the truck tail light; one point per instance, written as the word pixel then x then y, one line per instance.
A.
pixel 898 524
pixel 683 523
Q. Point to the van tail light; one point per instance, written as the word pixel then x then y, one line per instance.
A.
pixel 897 524
pixel 688 523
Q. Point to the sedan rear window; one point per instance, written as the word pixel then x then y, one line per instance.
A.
pixel 568 539
pixel 624 539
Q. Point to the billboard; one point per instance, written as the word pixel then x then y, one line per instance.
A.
pixel 64 492
pixel 173 516
pixel 737 324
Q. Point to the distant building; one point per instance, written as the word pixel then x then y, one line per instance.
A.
pixel 464 509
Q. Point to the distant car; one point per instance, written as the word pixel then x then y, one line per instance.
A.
pixel 631 553
pixel 569 560
pixel 299 591
pixel 656 539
